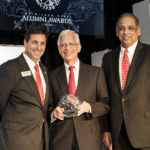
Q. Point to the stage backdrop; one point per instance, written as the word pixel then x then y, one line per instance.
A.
pixel 142 11
pixel 97 57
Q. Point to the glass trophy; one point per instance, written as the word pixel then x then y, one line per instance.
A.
pixel 70 104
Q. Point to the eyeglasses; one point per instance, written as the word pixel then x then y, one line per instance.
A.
pixel 64 45
pixel 130 28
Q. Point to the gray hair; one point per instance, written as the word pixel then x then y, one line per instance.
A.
pixel 67 31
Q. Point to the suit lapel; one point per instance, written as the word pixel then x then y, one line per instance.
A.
pixel 80 79
pixel 44 71
pixel 62 80
pixel 137 59
pixel 116 68
pixel 29 79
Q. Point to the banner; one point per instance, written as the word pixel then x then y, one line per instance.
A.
pixel 83 16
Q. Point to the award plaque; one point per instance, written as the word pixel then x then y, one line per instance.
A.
pixel 70 104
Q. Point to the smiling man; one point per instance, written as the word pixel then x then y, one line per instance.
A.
pixel 127 71
pixel 24 94
pixel 81 132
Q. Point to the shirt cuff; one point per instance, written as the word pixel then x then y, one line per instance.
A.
pixel 90 111
pixel 52 117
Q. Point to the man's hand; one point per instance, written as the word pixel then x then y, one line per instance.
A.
pixel 107 140
pixel 58 113
pixel 84 107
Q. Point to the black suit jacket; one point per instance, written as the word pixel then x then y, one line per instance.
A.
pixel 21 110
pixel 132 106
pixel 91 88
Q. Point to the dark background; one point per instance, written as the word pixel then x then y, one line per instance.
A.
pixel 112 10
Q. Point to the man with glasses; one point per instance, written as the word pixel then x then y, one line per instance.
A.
pixel 127 71
pixel 81 132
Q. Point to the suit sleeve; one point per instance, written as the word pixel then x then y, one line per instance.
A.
pixel 105 120
pixel 6 84
pixel 51 105
pixel 100 107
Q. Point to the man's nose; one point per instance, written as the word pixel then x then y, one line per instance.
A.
pixel 126 30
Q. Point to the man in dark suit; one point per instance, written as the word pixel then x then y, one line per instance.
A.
pixel 83 131
pixel 23 109
pixel 129 123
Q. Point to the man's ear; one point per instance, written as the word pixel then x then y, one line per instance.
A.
pixel 139 31
pixel 59 51
pixel 116 32
pixel 79 48
pixel 25 42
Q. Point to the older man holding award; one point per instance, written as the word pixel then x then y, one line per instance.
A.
pixel 80 98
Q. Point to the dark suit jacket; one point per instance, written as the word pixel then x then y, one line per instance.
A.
pixel 21 110
pixel 132 106
pixel 91 88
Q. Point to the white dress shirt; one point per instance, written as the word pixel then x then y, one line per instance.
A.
pixel 131 51
pixel 31 65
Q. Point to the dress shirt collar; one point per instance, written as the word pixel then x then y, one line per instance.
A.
pixel 131 49
pixel 76 65
pixel 29 61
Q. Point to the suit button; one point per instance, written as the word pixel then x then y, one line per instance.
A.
pixel 120 115
pixel 40 126
pixel 123 100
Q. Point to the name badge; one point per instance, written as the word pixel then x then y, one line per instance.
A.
pixel 26 73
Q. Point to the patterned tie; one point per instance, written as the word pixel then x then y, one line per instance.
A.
pixel 39 84
pixel 125 68
pixel 72 85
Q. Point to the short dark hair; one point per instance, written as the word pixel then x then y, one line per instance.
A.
pixel 137 22
pixel 35 29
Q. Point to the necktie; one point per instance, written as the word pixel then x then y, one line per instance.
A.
pixel 39 84
pixel 72 86
pixel 125 68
